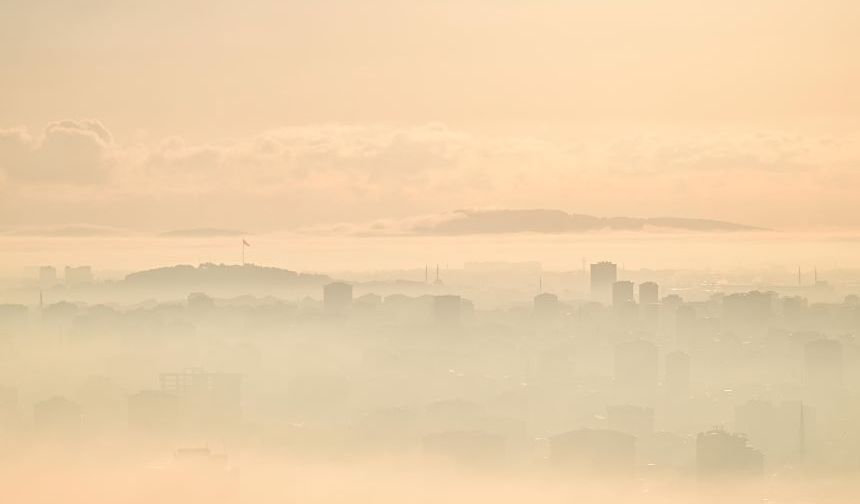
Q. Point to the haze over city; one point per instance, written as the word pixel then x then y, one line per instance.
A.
pixel 412 251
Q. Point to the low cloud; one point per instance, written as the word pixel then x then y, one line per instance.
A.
pixel 315 176
pixel 512 221
pixel 72 152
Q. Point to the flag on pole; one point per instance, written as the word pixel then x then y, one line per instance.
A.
pixel 245 242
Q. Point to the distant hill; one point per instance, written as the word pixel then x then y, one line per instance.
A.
pixel 222 276
pixel 466 222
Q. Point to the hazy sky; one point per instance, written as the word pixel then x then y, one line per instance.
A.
pixel 265 115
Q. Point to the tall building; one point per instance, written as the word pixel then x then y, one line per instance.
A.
pixel 337 298
pixel 649 293
pixel 622 294
pixel 603 275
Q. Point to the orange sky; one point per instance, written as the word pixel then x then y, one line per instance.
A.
pixel 271 115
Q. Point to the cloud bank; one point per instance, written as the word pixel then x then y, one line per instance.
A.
pixel 320 175
pixel 76 152
pixel 511 221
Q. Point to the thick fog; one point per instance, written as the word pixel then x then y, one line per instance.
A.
pixel 483 382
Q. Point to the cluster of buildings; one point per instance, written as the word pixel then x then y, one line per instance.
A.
pixel 626 381
pixel 74 276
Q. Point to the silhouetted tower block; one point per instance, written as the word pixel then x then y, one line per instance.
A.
pixel 76 276
pixel 634 420
pixel 546 306
pixel 676 383
pixel 154 412
pixel 466 447
pixel 603 275
pixel 721 454
pixel 623 302
pixel 596 451
pixel 57 415
pixel 824 372
pixel 337 298
pixel 649 293
pixel 622 293
pixel 47 277
pixel 447 310
pixel 636 370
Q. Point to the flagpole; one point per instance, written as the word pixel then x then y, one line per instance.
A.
pixel 244 244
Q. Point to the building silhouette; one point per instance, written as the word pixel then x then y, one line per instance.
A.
pixel 603 275
pixel 622 294
pixel 337 298
pixel 649 293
